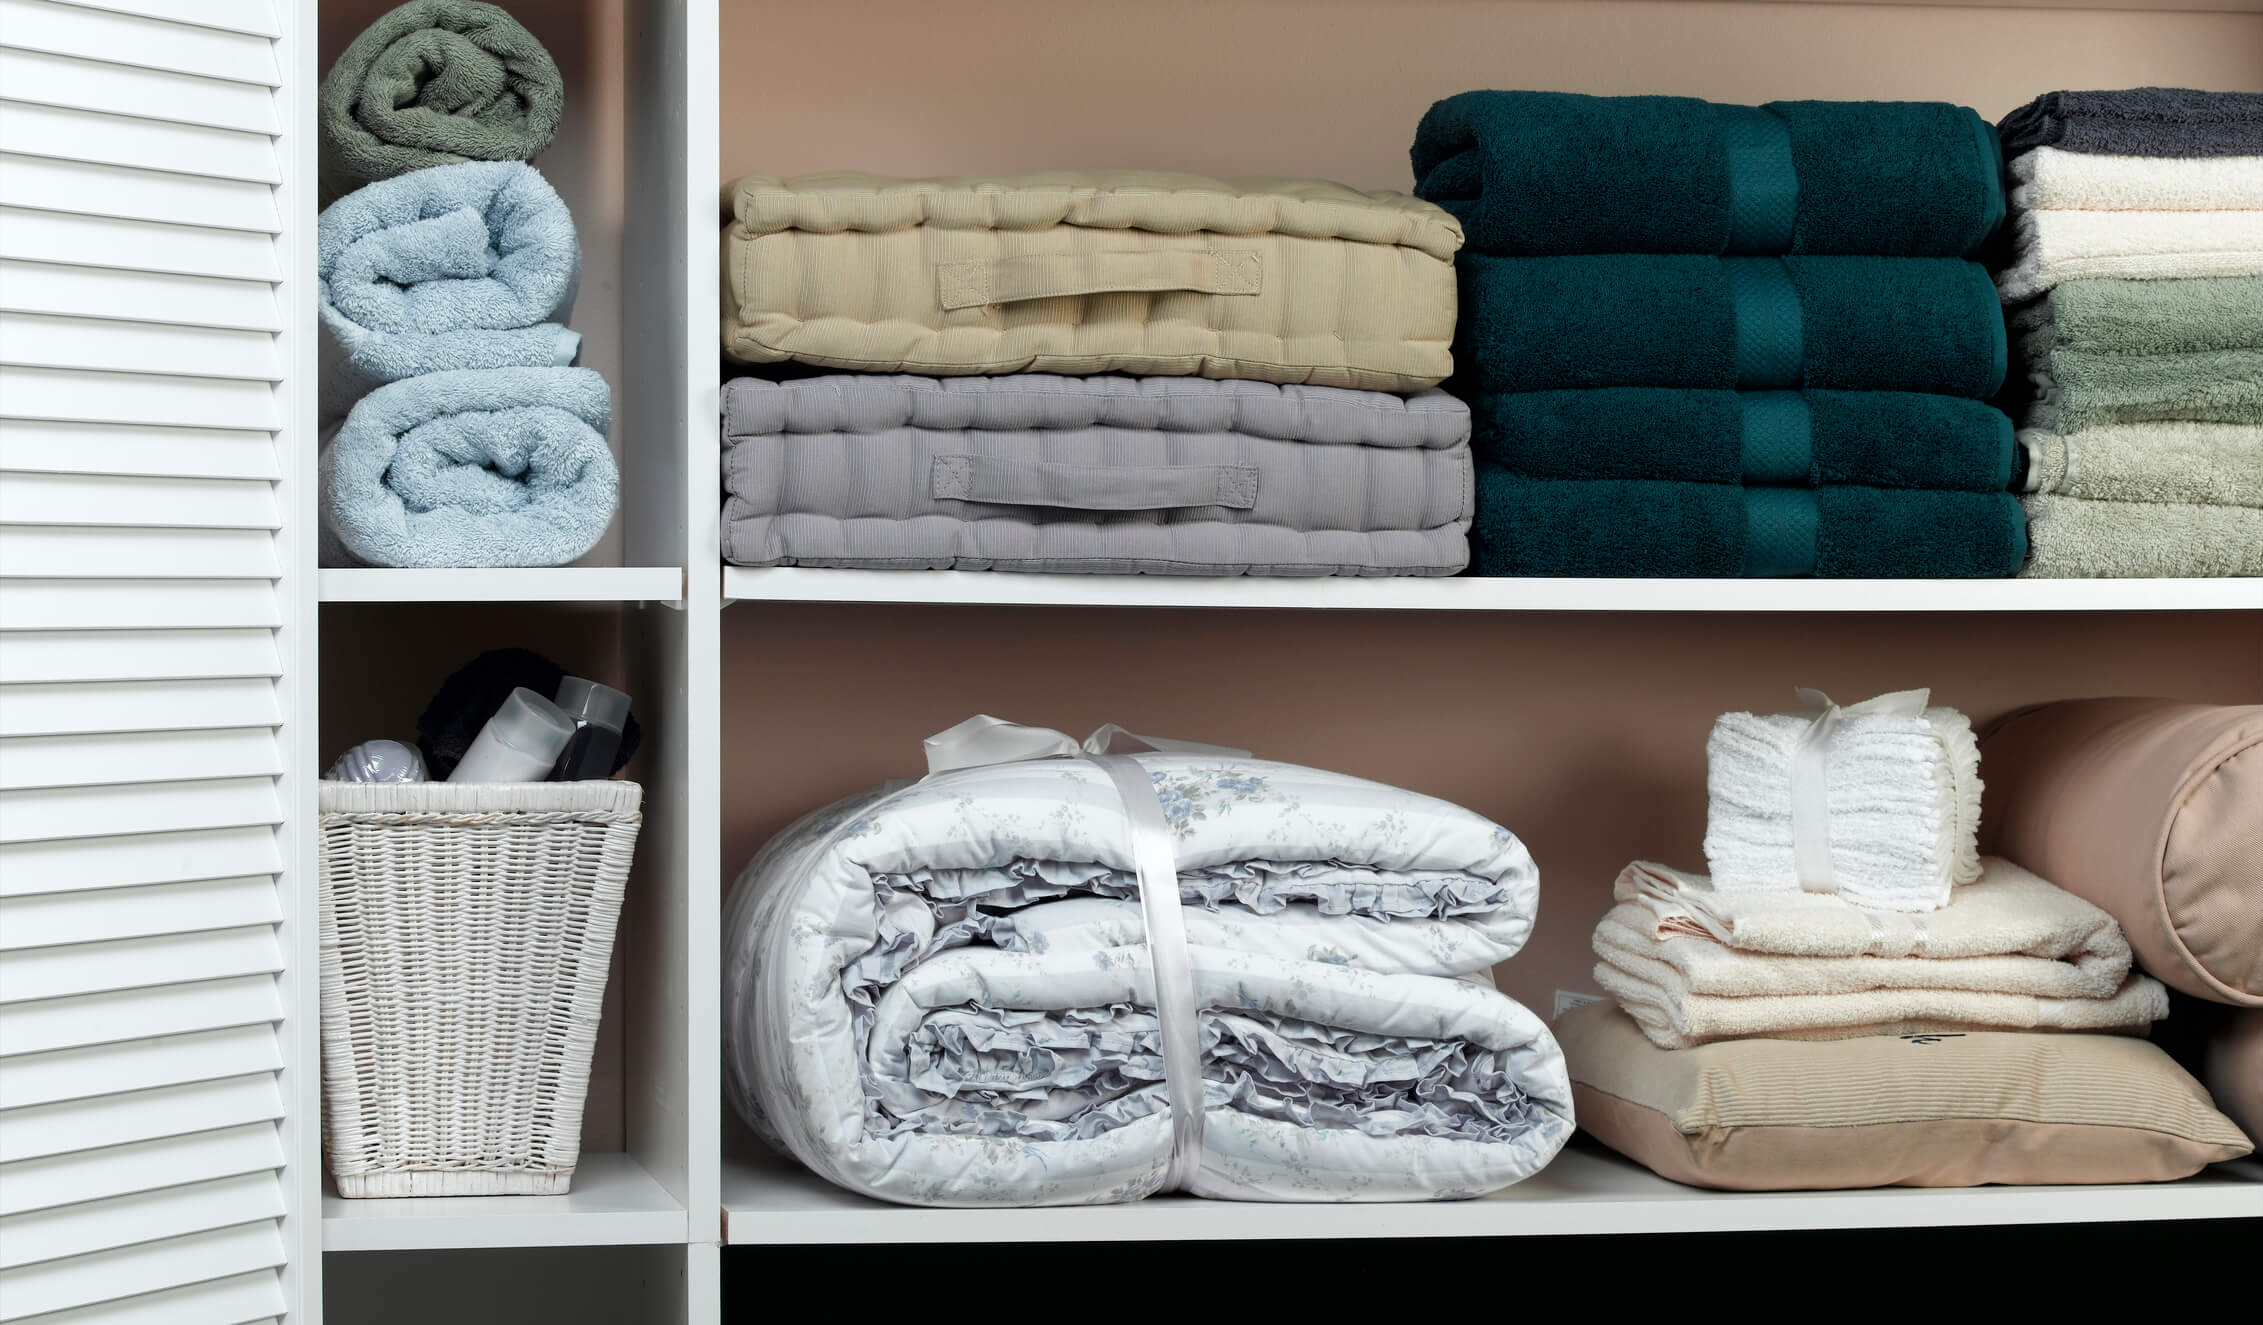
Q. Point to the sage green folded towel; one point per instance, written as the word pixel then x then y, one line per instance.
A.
pixel 2213 464
pixel 435 82
pixel 2077 539
pixel 2078 389
pixel 1880 439
pixel 2144 317
pixel 1749 324
pixel 1633 527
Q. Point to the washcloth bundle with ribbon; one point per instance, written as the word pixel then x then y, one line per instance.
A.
pixel 1706 340
pixel 457 431
pixel 1847 896
pixel 2135 289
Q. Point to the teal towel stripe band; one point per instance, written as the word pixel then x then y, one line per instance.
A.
pixel 1779 437
pixel 1763 183
pixel 1771 344
pixel 1779 532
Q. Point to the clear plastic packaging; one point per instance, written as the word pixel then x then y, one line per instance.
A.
pixel 378 761
pixel 598 713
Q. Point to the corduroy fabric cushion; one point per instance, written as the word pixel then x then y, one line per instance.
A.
pixel 1089 272
pixel 1935 1110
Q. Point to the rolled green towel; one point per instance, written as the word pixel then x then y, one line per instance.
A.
pixel 1753 324
pixel 1632 527
pixel 1881 439
pixel 2144 317
pixel 2077 389
pixel 1535 174
pixel 434 82
pixel 2078 539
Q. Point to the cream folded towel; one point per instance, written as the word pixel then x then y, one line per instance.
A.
pixel 2210 464
pixel 2071 538
pixel 2055 246
pixel 2008 933
pixel 2053 179
pixel 1903 796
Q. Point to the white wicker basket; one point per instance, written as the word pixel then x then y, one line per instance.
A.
pixel 466 932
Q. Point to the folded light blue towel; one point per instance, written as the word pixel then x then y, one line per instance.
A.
pixel 471 265
pixel 487 467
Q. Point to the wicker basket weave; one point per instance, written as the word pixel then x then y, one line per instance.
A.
pixel 466 932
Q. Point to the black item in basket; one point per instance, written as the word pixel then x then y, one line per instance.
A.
pixel 470 696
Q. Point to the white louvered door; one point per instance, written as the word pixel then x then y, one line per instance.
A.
pixel 148 1050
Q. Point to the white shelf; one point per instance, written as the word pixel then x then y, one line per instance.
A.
pixel 1471 594
pixel 540 584
pixel 766 1201
pixel 614 1202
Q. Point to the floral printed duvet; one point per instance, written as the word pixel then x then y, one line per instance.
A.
pixel 941 995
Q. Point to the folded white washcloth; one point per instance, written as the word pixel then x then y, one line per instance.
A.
pixel 2053 179
pixel 2009 933
pixel 2055 246
pixel 1903 796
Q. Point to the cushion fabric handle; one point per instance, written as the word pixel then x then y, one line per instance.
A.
pixel 1094 487
pixel 983 281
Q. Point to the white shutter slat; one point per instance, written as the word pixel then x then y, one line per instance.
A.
pixel 48 813
pixel 118 89
pixel 249 1299
pixel 136 1014
pixel 30 869
pixel 135 604
pixel 146 1267
pixel 131 1065
pixel 142 1115
pixel 50 551
pixel 51 1234
pixel 138 706
pixel 38 25
pixel 94 915
pixel 106 499
pixel 34 656
pixel 33 975
pixel 86 188
pixel 121 140
pixel 253 16
pixel 140 1166
pixel 70 342
pixel 117 293
pixel 197 402
pixel 115 759
pixel 30 235
pixel 57 447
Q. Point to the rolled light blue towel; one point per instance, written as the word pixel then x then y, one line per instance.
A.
pixel 471 265
pixel 485 467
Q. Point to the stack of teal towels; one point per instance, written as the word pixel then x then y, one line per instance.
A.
pixel 2135 290
pixel 1706 340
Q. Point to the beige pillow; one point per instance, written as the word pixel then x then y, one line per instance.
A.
pixel 2152 810
pixel 1937 1110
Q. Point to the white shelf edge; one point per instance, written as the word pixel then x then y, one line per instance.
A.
pixel 1472 594
pixel 539 584
pixel 1582 1192
pixel 614 1202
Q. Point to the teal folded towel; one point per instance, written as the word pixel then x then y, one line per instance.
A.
pixel 431 82
pixel 1535 174
pixel 1570 527
pixel 472 265
pixel 1752 324
pixel 1880 439
pixel 489 467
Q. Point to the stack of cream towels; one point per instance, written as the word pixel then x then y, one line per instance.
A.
pixel 2136 305
pixel 1919 934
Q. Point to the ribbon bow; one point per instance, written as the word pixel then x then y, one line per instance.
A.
pixel 983 739
pixel 1811 769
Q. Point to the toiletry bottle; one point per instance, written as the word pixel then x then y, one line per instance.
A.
pixel 518 744
pixel 598 713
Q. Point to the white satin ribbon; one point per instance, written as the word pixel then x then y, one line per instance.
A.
pixel 1811 778
pixel 986 740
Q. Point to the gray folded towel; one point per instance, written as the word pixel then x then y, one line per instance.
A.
pixel 2070 538
pixel 2209 464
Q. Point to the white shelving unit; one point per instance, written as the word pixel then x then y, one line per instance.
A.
pixel 741 708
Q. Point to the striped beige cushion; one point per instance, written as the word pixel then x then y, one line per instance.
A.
pixel 1947 1109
